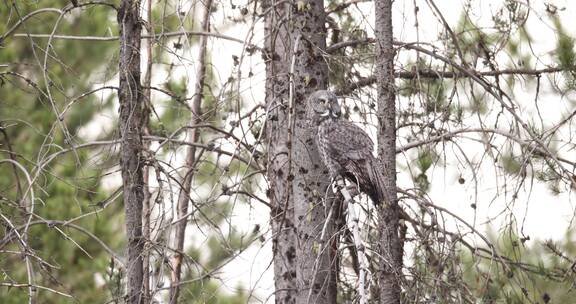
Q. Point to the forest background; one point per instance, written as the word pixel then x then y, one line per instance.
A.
pixel 484 151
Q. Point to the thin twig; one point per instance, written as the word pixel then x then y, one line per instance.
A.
pixel 153 36
pixel 24 237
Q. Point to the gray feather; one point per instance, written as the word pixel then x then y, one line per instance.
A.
pixel 346 149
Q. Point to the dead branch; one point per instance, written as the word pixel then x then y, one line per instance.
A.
pixel 435 74
pixel 190 161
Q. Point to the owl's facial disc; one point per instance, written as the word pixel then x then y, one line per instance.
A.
pixel 323 105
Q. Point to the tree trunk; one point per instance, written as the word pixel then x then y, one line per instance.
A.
pixel 316 280
pixel 131 125
pixel 389 247
pixel 277 52
pixel 303 267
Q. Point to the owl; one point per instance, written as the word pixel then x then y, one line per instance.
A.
pixel 345 148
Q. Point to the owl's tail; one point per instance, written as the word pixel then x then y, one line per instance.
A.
pixel 378 189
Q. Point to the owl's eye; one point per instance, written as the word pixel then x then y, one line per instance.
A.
pixel 322 101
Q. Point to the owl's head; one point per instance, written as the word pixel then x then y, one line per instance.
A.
pixel 322 105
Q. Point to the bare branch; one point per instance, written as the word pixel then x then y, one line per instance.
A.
pixel 115 38
pixel 191 159
pixel 435 74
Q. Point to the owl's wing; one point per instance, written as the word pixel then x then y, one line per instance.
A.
pixel 349 141
pixel 351 148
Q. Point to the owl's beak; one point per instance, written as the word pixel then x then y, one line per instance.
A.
pixel 335 114
pixel 331 114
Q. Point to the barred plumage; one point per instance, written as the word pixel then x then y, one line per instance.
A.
pixel 345 148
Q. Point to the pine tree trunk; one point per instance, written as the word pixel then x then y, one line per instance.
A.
pixel 131 160
pixel 303 267
pixel 389 247
pixel 277 48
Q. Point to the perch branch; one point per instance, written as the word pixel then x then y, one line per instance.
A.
pixel 352 221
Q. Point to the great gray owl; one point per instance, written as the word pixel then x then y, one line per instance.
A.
pixel 345 148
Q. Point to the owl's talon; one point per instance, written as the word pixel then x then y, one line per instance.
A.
pixel 339 182
pixel 353 190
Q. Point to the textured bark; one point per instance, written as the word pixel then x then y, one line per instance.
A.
pixel 303 265
pixel 190 161
pixel 277 46
pixel 389 247
pixel 131 160
pixel 310 73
